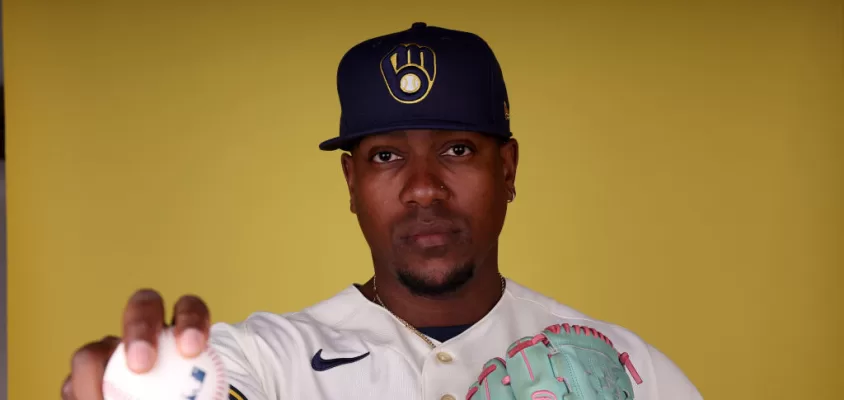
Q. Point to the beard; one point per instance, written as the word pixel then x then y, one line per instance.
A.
pixel 425 285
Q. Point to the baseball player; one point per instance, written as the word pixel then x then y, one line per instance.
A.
pixel 430 164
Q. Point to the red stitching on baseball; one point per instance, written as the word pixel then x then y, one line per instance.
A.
pixel 221 375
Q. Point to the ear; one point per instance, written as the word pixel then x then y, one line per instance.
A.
pixel 347 162
pixel 510 162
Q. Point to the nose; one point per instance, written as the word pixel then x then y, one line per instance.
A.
pixel 423 188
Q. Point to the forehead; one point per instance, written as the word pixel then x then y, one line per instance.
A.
pixel 420 137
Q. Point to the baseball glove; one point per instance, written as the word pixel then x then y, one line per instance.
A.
pixel 565 361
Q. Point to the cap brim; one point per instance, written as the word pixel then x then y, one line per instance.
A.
pixel 348 141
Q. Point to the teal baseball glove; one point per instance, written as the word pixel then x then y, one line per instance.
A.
pixel 564 362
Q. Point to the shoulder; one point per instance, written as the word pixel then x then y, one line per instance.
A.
pixel 256 349
pixel 285 332
pixel 659 373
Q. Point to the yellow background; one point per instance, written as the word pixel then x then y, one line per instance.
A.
pixel 682 171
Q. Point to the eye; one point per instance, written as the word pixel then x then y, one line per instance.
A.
pixel 458 150
pixel 385 157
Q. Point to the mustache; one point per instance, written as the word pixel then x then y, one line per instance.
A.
pixel 429 220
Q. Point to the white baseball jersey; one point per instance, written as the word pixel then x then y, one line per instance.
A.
pixel 348 348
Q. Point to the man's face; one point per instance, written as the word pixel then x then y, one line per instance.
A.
pixel 431 204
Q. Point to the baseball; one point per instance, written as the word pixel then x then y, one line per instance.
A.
pixel 173 377
pixel 410 83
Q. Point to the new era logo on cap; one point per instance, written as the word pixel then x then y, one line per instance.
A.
pixel 422 78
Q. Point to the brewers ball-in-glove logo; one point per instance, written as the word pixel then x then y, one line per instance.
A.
pixel 409 71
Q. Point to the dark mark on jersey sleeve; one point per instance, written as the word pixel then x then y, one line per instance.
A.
pixel 235 394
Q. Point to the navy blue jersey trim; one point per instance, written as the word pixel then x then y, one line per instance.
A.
pixel 444 333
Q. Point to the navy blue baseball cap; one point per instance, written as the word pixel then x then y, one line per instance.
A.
pixel 425 77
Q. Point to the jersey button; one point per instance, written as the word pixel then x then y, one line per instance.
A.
pixel 444 358
pixel 448 397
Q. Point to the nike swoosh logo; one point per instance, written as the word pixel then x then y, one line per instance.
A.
pixel 320 364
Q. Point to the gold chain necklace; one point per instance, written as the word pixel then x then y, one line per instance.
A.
pixel 410 327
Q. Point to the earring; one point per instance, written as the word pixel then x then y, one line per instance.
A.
pixel 512 196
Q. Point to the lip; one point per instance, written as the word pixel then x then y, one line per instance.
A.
pixel 430 239
pixel 429 235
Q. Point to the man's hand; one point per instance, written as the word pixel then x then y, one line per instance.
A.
pixel 143 321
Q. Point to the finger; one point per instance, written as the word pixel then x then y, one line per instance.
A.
pixel 67 389
pixel 192 321
pixel 87 369
pixel 493 383
pixel 143 320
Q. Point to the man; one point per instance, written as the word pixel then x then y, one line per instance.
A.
pixel 430 168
